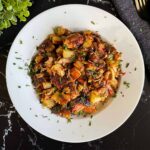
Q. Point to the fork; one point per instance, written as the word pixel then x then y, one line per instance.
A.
pixel 143 8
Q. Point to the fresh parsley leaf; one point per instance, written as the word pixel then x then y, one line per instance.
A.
pixel 11 11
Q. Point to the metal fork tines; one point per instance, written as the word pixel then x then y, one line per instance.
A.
pixel 140 4
pixel 143 8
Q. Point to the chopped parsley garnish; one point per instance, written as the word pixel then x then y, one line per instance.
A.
pixel 68 120
pixel 91 116
pixel 27 85
pixel 21 42
pixel 127 65
pixel 127 84
pixel 90 123
pixel 44 116
pixel 135 69
pixel 17 57
pixel 65 47
pixel 20 67
pixel 93 22
pixel 19 86
pixel 26 64
pixel 14 63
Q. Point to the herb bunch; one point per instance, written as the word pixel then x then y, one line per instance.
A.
pixel 11 11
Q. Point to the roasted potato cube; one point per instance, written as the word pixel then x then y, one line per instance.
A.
pixel 68 53
pixel 57 97
pixel 59 50
pixel 79 65
pixel 38 58
pixel 74 40
pixel 96 97
pixel 60 30
pixel 67 97
pixel 56 39
pixel 58 69
pixel 46 85
pixel 80 87
pixel 47 102
pixel 49 62
pixel 88 41
pixel 75 73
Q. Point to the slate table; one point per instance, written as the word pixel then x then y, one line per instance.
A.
pixel 15 134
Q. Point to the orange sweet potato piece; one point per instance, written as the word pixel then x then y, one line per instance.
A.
pixel 75 73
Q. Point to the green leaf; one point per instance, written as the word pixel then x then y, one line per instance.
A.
pixel 11 10
pixel 1 5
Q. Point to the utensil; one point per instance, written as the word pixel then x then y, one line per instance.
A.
pixel 143 8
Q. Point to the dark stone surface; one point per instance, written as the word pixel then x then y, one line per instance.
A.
pixel 15 134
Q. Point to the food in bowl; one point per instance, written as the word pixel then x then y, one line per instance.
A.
pixel 74 72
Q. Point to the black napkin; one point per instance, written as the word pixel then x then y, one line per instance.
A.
pixel 140 28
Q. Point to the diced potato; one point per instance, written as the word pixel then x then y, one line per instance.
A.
pixel 57 97
pixel 80 87
pixel 68 53
pixel 38 58
pixel 46 85
pixel 47 102
pixel 79 65
pixel 58 68
pixel 95 97
pixel 67 97
pixel 63 61
pixel 39 75
pixel 88 42
pixel 66 90
pixel 59 50
pixel 90 66
pixel 56 39
pixel 74 40
pixel 50 48
pixel 87 32
pixel 49 62
pixel 59 30
pixel 75 73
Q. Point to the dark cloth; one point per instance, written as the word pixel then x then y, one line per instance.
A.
pixel 140 28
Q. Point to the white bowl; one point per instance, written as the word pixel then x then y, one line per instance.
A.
pixel 74 17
